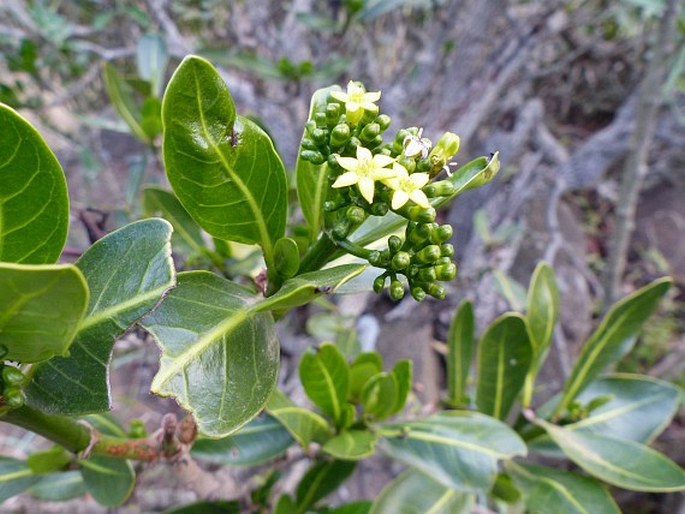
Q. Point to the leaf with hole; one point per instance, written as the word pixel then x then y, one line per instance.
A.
pixel 128 272
pixel 34 205
pixel 219 357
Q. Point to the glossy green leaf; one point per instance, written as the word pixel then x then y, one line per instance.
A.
pixel 320 480
pixel 325 377
pixel 286 257
pixel 403 377
pixel 613 338
pixel 34 205
pixel 219 357
pixel 15 477
pixel 459 449
pixel 312 180
pixel 551 491
pixel 460 345
pixel 152 59
pixel 304 425
pixel 364 366
pixel 159 201
pixel 306 287
pixel 416 493
pixel 121 96
pixel 58 487
pixel 128 272
pixel 261 440
pixel 40 309
pixel 351 445
pixel 380 396
pixel 207 507
pixel 222 167
pixel 619 462
pixel 473 174
pixel 286 505
pixel 542 314
pixel 109 481
pixel 510 289
pixel 504 355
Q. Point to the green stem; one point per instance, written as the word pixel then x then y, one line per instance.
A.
pixel 77 437
pixel 320 253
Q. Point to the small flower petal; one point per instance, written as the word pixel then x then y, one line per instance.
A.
pixel 399 198
pixel 419 198
pixel 372 96
pixel 366 188
pixel 349 163
pixel 346 179
pixel 381 161
pixel 363 154
pixel 419 179
pixel 339 95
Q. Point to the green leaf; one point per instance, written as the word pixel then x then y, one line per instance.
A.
pixel 121 96
pixel 364 366
pixel 261 440
pixel 109 481
pixel 403 377
pixel 152 60
pixel 511 290
pixel 127 272
pixel 222 167
pixel 312 180
pixel 34 205
pixel 306 287
pixel 40 309
pixel 358 507
pixel 380 395
pixel 504 355
pixel 543 310
pixel 15 477
pixel 551 491
pixel 159 201
pixel 219 357
pixel 619 462
pixel 207 507
pixel 460 345
pixel 286 505
pixel 415 493
pixel 47 461
pixel 320 480
pixel 287 257
pixel 58 487
pixel 304 425
pixel 613 338
pixel 351 445
pixel 459 449
pixel 325 377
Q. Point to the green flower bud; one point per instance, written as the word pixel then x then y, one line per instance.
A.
pixel 310 125
pixel 14 397
pixel 428 254
pixel 333 162
pixel 308 144
pixel 442 233
pixel 376 141
pixel 375 258
pixel 352 145
pixel 340 134
pixel 383 121
pixel 424 166
pixel 319 136
pixel 437 291
pixel 420 233
pixel 379 283
pixel 320 119
pixel 379 208
pixel 333 111
pixel 394 244
pixel 447 147
pixel 312 156
pixel 442 261
pixel 341 230
pixel 401 260
pixel 417 213
pixel 427 274
pixel 12 376
pixel 447 250
pixel 370 132
pixel 368 116
pixel 355 214
pixel 418 294
pixel 136 429
pixel 446 272
pixel 396 290
pixel 409 164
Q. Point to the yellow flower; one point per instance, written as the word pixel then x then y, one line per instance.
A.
pixel 407 187
pixel 364 171
pixel 357 100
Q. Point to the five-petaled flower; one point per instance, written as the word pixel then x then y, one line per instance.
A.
pixel 364 171
pixel 357 100
pixel 407 187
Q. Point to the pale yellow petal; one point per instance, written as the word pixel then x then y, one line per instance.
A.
pixel 363 154
pixel 382 174
pixel 381 161
pixel 400 171
pixel 346 179
pixel 392 183
pixel 399 198
pixel 349 163
pixel 339 95
pixel 419 179
pixel 369 106
pixel 419 198
pixel 372 96
pixel 366 188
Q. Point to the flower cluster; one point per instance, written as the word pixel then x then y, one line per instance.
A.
pixel 369 176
